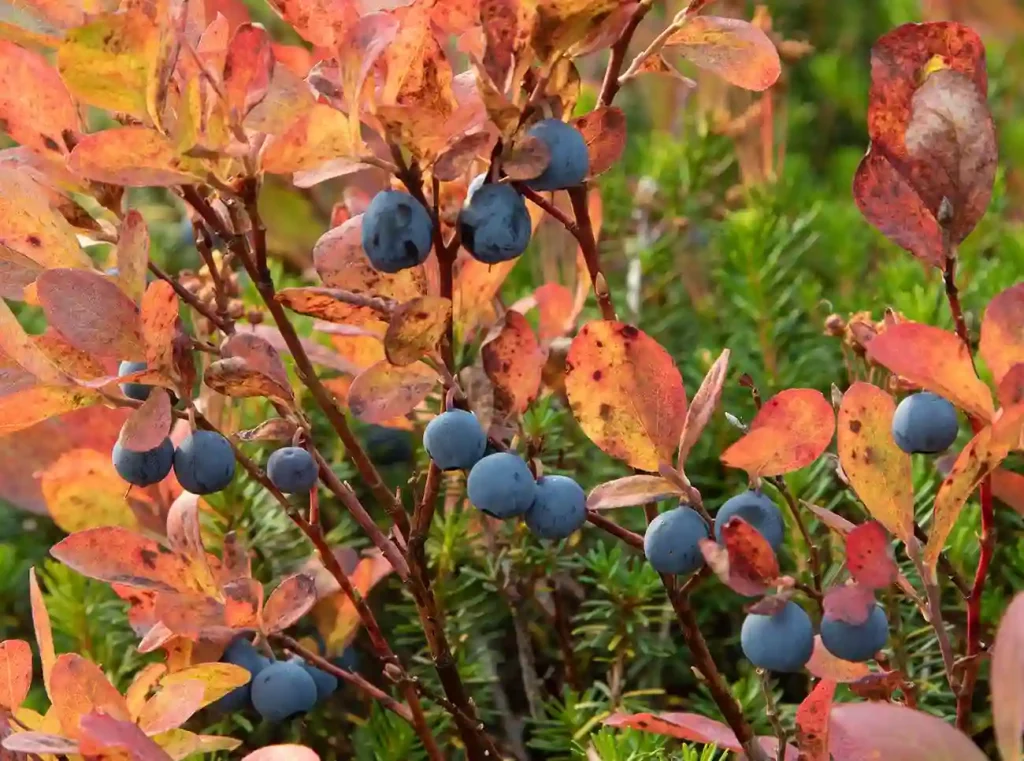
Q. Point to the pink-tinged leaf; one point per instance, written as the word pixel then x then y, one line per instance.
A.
pixel 79 687
pixel 275 429
pixel 812 720
pixel 694 728
pixel 329 305
pixel 134 157
pixel 236 377
pixel 35 107
pixel 824 665
pixel 283 753
pixel 149 425
pixel 15 672
pixel 604 131
pixel 107 736
pixel 1007 681
pixel 789 432
pixel 40 742
pixel 877 469
pixel 872 731
pixel 16 272
pixel 455 161
pixel 18 346
pixel 982 455
pixel 171 706
pixel 734 49
pixel 1002 331
pixel 259 354
pixel 247 68
pixel 184 531
pixel 630 491
pixel 29 226
pixel 703 406
pixel 834 521
pixel 1008 487
pixel 92 313
pixel 513 360
pixel 850 603
pixel 626 393
pixel 384 391
pixel 27 407
pixel 133 255
pixel 43 630
pixel 291 600
pixel 934 359
pixel 870 557
pixel 1011 386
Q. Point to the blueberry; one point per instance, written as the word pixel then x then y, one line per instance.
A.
pixel 282 691
pixel 672 541
pixel 136 391
pixel 397 231
pixel 240 653
pixel 326 684
pixel 782 642
pixel 501 485
pixel 924 423
pixel 757 510
pixel 856 643
pixel 454 440
pixel 143 468
pixel 495 225
pixel 569 159
pixel 560 507
pixel 204 462
pixel 388 446
pixel 292 470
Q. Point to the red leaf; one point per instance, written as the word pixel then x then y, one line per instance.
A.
pixel 604 131
pixel 149 425
pixel 869 556
pixel 15 673
pixel 1008 487
pixel 824 665
pixel 291 600
pixel 35 107
pixel 692 727
pixel 734 49
pixel 247 69
pixel 1011 386
pixel 384 391
pixel 78 687
pixel 865 731
pixel 1007 680
pixel 812 719
pixel 513 360
pixel 752 564
pixel 850 603
pixel 1002 340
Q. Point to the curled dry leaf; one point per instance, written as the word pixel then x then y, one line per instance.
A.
pixel 888 730
pixel 736 50
pixel 275 429
pixel 514 361
pixel 416 328
pixel 703 406
pixel 630 491
pixel 604 130
pixel 824 665
pixel 851 603
pixel 259 354
pixel 812 717
pixel 290 601
pixel 1008 680
pixel 236 377
pixel 148 425
pixel 384 391
pixel 870 557
pixel 1002 342
pixel 527 158
pixel 789 432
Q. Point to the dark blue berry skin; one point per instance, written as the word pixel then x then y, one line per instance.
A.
pixel 143 468
pixel 292 470
pixel 137 391
pixel 454 440
pixel 495 225
pixel 397 231
pixel 326 684
pixel 559 508
pixel 856 643
pixel 757 510
pixel 672 541
pixel 570 161
pixel 783 642
pixel 925 423
pixel 282 691
pixel 501 485
pixel 240 653
pixel 204 463
pixel 388 446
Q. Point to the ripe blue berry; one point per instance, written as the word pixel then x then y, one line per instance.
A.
pixel 397 231
pixel 501 485
pixel 204 462
pixel 559 508
pixel 570 161
pixel 454 440
pixel 282 691
pixel 783 642
pixel 292 470
pixel 757 510
pixel 137 391
pixel 672 541
pixel 495 225
pixel 326 684
pixel 143 468
pixel 241 653
pixel 856 643
pixel 924 424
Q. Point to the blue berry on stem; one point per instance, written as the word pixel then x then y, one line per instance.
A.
pixel 292 470
pixel 925 423
pixel 501 485
pixel 559 508
pixel 495 225
pixel 454 440
pixel 204 462
pixel 782 642
pixel 397 231
pixel 282 691
pixel 570 161
pixel 143 468
pixel 137 391
pixel 757 510
pixel 853 642
pixel 240 653
pixel 672 541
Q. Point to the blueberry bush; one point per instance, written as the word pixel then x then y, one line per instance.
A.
pixel 511 379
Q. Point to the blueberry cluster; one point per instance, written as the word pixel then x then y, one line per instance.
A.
pixel 500 484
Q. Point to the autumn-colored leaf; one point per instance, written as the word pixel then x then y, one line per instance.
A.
pixel 694 728
pixel 35 107
pixel 133 157
pixel 23 409
pixel 1002 335
pixel 789 432
pixel 1007 681
pixel 1008 487
pixel 555 311
pixel 561 24
pixel 132 255
pixel 283 753
pixel 40 742
pixel 171 707
pixel 356 349
pixel 824 665
pixel 236 377
pixel 290 601
pixel 323 24
pixel 631 490
pixel 258 353
pixel 247 68
pixel 876 468
pixel 416 328
pixel 15 672
pixel 184 532
pixel 78 687
pixel 526 159
pixel 43 630
pixel 869 556
pixel 888 730
pixel 275 429
pixel 324 304
pixel 419 75
pixel 159 319
pixel 748 564
pixel 317 136
pixel 180 743
pixel 335 616
pixel 736 50
pixel 476 285
pixel 218 679
pixel 850 603
pixel 73 361
pixel 19 347
pixel 142 684
pixel 626 393
pixel 108 737
pixel 16 272
pixel 206 617
pixel 30 227
pixel 341 263
pixel 82 490
pixel 148 425
pixel 384 391
pixel 1011 386
pixel 457 158
pixel 703 406
pixel 812 718
pixel 982 455
pixel 513 360
pixel 604 131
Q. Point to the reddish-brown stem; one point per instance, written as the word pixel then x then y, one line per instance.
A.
pixel 588 242
pixel 780 484
pixel 632 539
pixel 190 299
pixel 971 658
pixel 553 211
pixel 610 86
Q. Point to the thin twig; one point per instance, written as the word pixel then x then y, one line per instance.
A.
pixel 771 712
pixel 629 537
pixel 783 488
pixel 931 588
pixel 219 291
pixel 610 86
pixel 588 242
pixel 190 298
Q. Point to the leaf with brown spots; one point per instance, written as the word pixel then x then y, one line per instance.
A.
pixel 703 406
pixel 416 329
pixel 694 728
pixel 419 75
pixel 630 491
pixel 92 313
pixel 824 665
pixel 514 361
pixel 317 136
pixel 293 598
pixel 604 131
pixel 870 557
pixel 934 359
pixel 28 355
pixel 877 469
pixel 476 286
pixel 71 360
pixel 1002 331
pixel 736 50
pixel 171 707
pixel 745 562
pixel 258 353
pixel 134 157
pixel 812 722
pixel 159 318
pixel 275 429
pixel 560 24
pixel 324 304
pixel 30 227
pixel 455 160
pixel 15 673
pixel 851 603
pixel 384 391
pixel 789 432
pixel 526 159
pixel 148 425
pixel 23 409
pixel 236 377
pixel 79 687
pixel 35 107
pixel 626 393
pixel 133 255
pixel 323 24
pixel 247 69
pixel 206 617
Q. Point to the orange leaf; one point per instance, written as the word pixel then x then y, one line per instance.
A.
pixel 604 130
pixel 1002 331
pixel 789 432
pixel 44 632
pixel 15 672
pixel 218 679
pixel 195 617
pixel 148 425
pixel 324 304
pixel 703 406
pixel 416 329
pixel 23 409
pixel 876 468
pixel 171 707
pixel 71 360
pixel 812 722
pixel 236 377
pixel 476 286
pixel 159 319
pixel 290 601
pixel 824 665
pixel 555 309
pixel 82 490
pixel 134 157
pixel 748 564
pixel 317 136
pixel 133 255
pixel 35 106
pixel 513 361
pixel 384 391
pixel 934 359
pixel 626 393
pixel 30 227
pixel 247 68
pixel 283 753
pixel 358 350
pixel 734 49
pixel 1008 487
pixel 335 616
pixel 323 24
pixel 180 743
pixel 143 682
pixel 16 344
pixel 79 687
pixel 694 728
